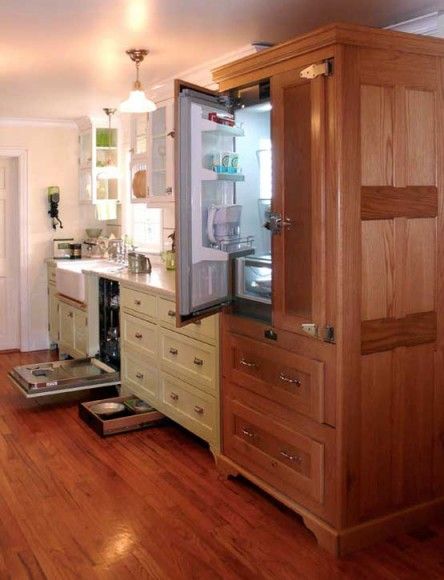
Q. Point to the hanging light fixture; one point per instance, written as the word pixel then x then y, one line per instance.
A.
pixel 137 102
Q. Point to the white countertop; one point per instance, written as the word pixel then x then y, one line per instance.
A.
pixel 160 281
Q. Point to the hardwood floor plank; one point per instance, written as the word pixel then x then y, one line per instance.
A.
pixel 150 504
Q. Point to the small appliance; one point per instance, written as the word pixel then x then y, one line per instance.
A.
pixel 61 248
pixel 253 278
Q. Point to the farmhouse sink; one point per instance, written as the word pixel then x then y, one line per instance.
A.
pixel 70 279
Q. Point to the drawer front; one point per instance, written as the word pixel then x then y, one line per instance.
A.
pixel 290 461
pixel 205 329
pixel 184 357
pixel 139 302
pixel 139 334
pixel 138 376
pixel 188 406
pixel 292 382
pixel 52 274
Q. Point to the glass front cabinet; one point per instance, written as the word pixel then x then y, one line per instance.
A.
pixel 98 162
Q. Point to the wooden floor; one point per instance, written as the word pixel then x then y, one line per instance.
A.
pixel 149 504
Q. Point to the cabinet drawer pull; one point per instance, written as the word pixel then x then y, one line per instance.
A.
pixel 198 361
pixel 172 313
pixel 197 322
pixel 138 335
pixel 248 364
pixel 173 350
pixel 139 376
pixel 248 433
pixel 286 379
pixel 198 410
pixel 70 314
pixel 174 396
pixel 138 302
pixel 290 457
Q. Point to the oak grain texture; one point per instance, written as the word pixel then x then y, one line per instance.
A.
pixel 383 202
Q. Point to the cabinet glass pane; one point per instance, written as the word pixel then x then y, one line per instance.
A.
pixel 85 153
pixel 158 153
pixel 140 133
pixel 297 201
pixel 85 185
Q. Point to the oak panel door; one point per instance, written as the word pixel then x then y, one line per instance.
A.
pixel 299 135
pixel 9 256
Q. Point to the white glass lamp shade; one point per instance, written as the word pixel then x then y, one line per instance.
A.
pixel 137 102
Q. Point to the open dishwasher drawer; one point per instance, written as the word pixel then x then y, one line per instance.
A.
pixel 52 378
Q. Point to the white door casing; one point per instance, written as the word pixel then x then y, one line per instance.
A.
pixel 9 255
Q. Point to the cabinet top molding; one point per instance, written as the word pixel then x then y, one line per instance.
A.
pixel 254 67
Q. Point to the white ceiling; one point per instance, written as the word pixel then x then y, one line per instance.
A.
pixel 66 58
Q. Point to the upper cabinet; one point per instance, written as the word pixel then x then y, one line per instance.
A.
pixel 161 153
pixel 139 158
pixel 98 162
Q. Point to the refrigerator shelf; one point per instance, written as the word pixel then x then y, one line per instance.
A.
pixel 209 175
pixel 219 129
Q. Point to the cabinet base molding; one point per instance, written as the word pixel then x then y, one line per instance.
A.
pixel 326 536
pixel 343 542
pixel 380 529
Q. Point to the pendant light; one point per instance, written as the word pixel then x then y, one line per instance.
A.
pixel 137 102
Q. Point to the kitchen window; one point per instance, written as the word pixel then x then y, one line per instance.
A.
pixel 145 228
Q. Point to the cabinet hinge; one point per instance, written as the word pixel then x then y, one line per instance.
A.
pixel 324 68
pixel 49 326
pixel 327 333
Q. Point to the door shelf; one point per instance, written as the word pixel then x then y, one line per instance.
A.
pixel 219 129
pixel 209 175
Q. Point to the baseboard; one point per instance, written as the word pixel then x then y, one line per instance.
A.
pixel 342 542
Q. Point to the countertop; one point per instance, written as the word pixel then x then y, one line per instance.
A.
pixel 160 281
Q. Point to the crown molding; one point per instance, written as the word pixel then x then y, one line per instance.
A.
pixel 30 122
pixel 426 25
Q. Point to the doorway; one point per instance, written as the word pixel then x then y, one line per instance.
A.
pixel 9 254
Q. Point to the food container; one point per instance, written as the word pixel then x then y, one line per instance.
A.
pixel 138 263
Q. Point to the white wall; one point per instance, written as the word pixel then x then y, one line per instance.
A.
pixel 52 160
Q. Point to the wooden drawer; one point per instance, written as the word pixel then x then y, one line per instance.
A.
pixel 138 302
pixel 138 376
pixel 188 406
pixel 189 359
pixel 292 383
pixel 205 329
pixel 139 334
pixel 290 461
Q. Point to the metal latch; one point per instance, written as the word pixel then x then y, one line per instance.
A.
pixel 316 70
pixel 276 222
pixel 327 334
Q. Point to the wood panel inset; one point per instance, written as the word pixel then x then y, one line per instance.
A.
pixel 389 333
pixel 421 137
pixel 387 202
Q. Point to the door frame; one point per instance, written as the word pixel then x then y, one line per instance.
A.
pixel 22 160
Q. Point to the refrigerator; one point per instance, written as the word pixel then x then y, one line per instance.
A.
pixel 223 169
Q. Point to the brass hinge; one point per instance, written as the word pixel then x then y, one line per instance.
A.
pixel 324 68
pixel 327 333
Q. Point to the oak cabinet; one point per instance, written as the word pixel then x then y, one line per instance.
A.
pixel 353 441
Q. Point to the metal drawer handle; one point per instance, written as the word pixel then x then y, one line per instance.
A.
pixel 70 314
pixel 173 350
pixel 197 322
pixel 198 410
pixel 139 376
pixel 137 302
pixel 286 379
pixel 198 361
pixel 248 433
pixel 138 335
pixel 295 458
pixel 245 363
pixel 171 313
pixel 174 396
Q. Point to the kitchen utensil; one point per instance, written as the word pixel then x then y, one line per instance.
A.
pixel 139 184
pixel 138 263
pixel 107 408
